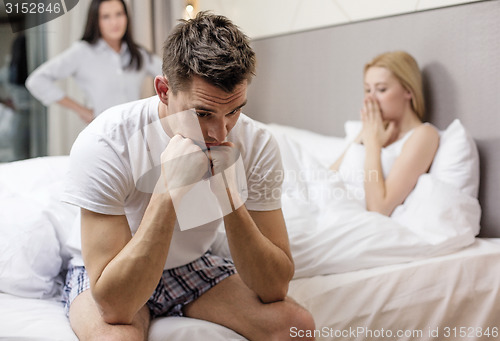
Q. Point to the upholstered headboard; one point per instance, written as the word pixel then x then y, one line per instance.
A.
pixel 313 79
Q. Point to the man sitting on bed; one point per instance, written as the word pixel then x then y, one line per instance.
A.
pixel 145 243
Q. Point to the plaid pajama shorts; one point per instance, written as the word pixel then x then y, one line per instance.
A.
pixel 177 287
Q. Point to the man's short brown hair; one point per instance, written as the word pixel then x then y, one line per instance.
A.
pixel 209 46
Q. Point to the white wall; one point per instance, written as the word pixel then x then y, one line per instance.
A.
pixel 261 18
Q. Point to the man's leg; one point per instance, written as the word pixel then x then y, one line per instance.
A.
pixel 232 304
pixel 88 324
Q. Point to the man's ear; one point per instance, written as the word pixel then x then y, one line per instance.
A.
pixel 162 88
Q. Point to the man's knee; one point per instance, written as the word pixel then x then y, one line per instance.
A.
pixel 88 324
pixel 301 320
pixel 293 318
pixel 304 320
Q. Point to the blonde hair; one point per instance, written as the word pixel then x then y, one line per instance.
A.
pixel 404 67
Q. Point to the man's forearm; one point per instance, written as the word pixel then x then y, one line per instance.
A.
pixel 263 266
pixel 128 280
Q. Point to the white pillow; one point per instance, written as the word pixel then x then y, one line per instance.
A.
pixel 433 205
pixel 323 148
pixel 457 160
pixel 352 129
pixel 30 259
pixel 34 225
pixel 306 157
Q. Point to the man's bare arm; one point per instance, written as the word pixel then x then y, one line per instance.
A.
pixel 260 249
pixel 125 270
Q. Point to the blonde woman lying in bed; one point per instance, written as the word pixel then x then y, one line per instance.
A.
pixel 394 147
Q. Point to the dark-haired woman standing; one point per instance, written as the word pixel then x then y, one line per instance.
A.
pixel 107 64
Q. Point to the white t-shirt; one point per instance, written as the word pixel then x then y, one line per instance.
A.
pixel 99 71
pixel 107 154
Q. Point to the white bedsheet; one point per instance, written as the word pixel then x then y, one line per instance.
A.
pixel 460 290
pixel 332 233
pixel 330 229
pixel 44 320
pixel 454 291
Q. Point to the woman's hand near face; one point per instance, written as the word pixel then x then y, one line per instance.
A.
pixel 375 131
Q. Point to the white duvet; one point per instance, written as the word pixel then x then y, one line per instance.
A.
pixel 331 232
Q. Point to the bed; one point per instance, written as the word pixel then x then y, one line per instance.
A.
pixel 438 284
pixel 437 288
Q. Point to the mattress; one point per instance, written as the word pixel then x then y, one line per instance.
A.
pixel 453 297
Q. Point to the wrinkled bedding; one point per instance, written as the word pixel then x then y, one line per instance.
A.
pixel 330 230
